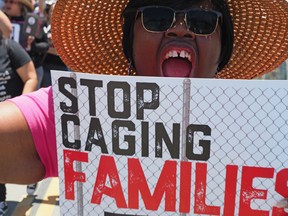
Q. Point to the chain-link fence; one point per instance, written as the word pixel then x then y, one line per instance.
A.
pixel 245 126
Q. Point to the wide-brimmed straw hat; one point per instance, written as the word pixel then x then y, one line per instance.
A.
pixel 87 35
pixel 28 4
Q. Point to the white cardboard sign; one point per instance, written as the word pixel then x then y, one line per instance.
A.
pixel 170 146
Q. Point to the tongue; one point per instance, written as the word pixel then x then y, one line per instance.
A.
pixel 176 67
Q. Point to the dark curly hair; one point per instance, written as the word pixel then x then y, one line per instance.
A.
pixel 219 5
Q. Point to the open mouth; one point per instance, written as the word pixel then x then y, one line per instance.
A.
pixel 177 63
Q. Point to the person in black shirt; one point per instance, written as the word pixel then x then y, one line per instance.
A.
pixel 36 45
pixel 17 76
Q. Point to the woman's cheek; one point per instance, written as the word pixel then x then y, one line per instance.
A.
pixel 209 49
pixel 145 47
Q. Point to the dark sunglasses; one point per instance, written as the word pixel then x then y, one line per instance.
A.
pixel 159 19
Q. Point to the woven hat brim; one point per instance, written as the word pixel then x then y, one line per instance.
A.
pixel 261 37
pixel 88 36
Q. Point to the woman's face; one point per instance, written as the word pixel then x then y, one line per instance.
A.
pixel 154 53
pixel 12 8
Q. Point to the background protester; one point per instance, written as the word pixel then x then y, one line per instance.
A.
pixel 17 76
pixel 39 7
pixel 52 60
pixel 35 44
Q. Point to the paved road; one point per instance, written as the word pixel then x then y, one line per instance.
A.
pixel 44 202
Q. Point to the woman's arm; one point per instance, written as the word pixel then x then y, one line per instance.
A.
pixel 19 160
pixel 29 77
pixel 5 25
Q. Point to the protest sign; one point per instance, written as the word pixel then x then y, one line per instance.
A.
pixel 131 145
pixel 34 24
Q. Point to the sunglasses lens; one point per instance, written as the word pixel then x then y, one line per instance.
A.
pixel 157 19
pixel 202 22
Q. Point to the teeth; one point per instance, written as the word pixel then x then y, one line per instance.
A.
pixel 182 54
pixel 175 54
pixel 188 56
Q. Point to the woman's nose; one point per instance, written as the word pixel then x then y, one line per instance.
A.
pixel 180 28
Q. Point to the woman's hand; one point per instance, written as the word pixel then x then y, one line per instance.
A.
pixel 30 40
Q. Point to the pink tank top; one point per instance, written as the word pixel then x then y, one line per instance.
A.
pixel 37 108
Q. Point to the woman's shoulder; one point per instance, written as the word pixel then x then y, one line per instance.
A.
pixel 40 101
